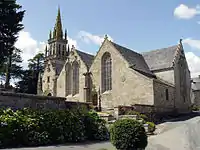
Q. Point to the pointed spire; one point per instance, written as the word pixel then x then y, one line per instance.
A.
pixel 50 36
pixel 46 51
pixel 65 34
pixel 58 33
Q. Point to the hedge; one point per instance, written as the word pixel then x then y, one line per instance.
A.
pixel 47 127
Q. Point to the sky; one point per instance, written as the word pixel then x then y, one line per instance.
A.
pixel 140 25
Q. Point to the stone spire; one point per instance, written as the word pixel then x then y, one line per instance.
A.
pixel 65 34
pixel 46 51
pixel 58 32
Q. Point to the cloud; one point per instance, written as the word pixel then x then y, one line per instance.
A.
pixel 192 43
pixel 193 63
pixel 30 47
pixel 90 38
pixel 184 12
pixel 72 42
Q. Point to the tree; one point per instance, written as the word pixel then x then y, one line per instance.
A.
pixel 11 17
pixel 16 68
pixel 28 82
pixel 37 63
pixel 25 84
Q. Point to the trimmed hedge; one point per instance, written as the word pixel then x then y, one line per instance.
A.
pixel 128 134
pixel 38 127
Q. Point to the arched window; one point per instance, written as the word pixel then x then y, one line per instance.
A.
pixel 106 72
pixel 75 67
pixel 63 47
pixel 54 48
pixel 68 79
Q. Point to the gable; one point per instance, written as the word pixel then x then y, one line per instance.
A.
pixel 160 58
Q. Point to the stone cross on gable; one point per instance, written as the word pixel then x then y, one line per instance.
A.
pixel 106 36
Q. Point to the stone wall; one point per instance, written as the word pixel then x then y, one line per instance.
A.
pixel 196 97
pixel 164 95
pixel 19 100
pixel 128 86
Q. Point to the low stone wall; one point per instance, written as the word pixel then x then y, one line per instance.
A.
pixel 21 100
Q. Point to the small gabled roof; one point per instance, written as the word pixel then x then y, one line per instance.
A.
pixel 160 58
pixel 196 83
pixel 86 58
pixel 135 60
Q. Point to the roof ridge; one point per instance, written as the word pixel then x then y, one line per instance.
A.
pixel 84 52
pixel 125 48
pixel 160 49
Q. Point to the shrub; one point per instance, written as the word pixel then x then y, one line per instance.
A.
pixel 43 127
pixel 151 127
pixel 128 134
pixel 95 127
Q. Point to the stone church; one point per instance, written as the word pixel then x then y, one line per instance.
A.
pixel 116 75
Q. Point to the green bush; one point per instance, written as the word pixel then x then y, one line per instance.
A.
pixel 151 127
pixel 38 127
pixel 128 134
pixel 95 129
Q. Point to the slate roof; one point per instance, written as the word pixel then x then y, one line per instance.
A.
pixel 135 60
pixel 58 67
pixel 87 58
pixel 160 58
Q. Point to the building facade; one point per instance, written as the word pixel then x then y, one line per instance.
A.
pixel 116 75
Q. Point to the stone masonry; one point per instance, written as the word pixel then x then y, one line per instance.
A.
pixel 158 78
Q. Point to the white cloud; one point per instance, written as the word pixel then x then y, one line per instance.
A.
pixel 184 12
pixel 193 63
pixel 198 22
pixel 30 47
pixel 72 42
pixel 192 43
pixel 90 38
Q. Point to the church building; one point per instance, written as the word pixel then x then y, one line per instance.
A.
pixel 116 75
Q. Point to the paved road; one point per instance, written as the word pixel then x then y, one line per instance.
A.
pixel 97 146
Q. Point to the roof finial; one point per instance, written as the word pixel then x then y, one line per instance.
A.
pixel 106 37
pixel 180 41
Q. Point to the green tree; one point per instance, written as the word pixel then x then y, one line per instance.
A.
pixel 11 17
pixel 28 82
pixel 16 68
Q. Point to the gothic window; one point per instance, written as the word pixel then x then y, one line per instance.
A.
pixel 68 79
pixel 63 47
pixel 48 79
pixel 75 77
pixel 167 94
pixel 106 72
pixel 54 48
pixel 63 52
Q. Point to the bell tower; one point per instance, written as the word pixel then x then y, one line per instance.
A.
pixel 57 43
